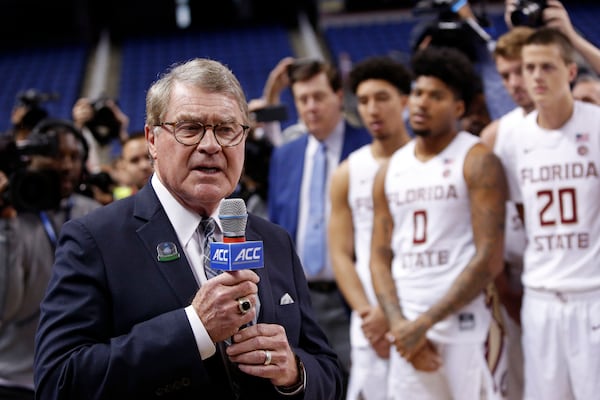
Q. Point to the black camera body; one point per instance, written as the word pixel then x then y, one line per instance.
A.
pixel 104 125
pixel 528 13
pixel 29 190
pixel 32 100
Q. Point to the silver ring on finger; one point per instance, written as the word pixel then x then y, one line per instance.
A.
pixel 268 356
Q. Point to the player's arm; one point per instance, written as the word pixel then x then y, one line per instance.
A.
pixel 487 188
pixel 488 134
pixel 341 240
pixel 381 251
pixel 342 252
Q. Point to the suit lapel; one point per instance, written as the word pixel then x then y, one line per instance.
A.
pixel 158 230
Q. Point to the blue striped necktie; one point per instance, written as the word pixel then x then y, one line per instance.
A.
pixel 207 226
pixel 313 256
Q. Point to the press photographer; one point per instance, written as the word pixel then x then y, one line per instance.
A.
pixel 101 122
pixel 28 190
pixel 55 150
pixel 28 111
pixel 552 14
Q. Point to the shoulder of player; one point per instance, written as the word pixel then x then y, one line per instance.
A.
pixel 481 164
pixel 340 177
pixel 488 134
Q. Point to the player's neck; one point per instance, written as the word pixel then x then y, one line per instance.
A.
pixel 428 147
pixel 385 147
pixel 555 114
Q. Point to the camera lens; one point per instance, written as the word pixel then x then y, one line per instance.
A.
pixel 528 14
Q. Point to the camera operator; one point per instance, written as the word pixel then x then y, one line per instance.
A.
pixel 101 121
pixel 552 14
pixel 30 241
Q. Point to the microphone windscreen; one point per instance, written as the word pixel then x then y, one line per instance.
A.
pixel 233 217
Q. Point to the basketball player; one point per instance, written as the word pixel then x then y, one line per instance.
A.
pixel 437 240
pixel 381 86
pixel 553 171
pixel 507 56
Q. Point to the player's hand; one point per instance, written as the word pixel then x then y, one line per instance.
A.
pixel 375 326
pixel 408 337
pixel 427 359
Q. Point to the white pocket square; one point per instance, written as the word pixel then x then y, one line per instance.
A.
pixel 286 299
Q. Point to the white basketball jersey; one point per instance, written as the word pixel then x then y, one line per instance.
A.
pixel 362 170
pixel 432 239
pixel 515 239
pixel 555 174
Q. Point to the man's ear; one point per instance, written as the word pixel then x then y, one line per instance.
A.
pixel 572 71
pixel 459 108
pixel 151 140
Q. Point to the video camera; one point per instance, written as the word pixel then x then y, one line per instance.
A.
pixel 29 190
pixel 31 100
pixel 104 125
pixel 528 13
pixel 447 28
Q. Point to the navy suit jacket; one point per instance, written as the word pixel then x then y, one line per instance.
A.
pixel 285 175
pixel 113 324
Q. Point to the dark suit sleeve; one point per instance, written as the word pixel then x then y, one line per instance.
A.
pixel 82 349
pixel 285 276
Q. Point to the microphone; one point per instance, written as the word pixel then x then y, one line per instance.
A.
pixel 233 217
pixel 234 252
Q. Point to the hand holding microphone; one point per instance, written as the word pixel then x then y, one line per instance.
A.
pixel 218 306
pixel 259 349
pixel 229 301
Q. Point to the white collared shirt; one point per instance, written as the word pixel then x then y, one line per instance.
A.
pixel 334 144
pixel 185 224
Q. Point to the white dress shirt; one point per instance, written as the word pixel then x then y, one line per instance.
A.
pixel 334 143
pixel 185 224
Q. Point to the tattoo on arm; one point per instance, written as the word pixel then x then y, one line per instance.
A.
pixel 487 194
pixel 382 254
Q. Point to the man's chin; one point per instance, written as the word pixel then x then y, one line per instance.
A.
pixel 422 132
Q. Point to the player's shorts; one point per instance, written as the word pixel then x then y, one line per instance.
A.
pixel 514 369
pixel 464 375
pixel 561 345
pixel 368 375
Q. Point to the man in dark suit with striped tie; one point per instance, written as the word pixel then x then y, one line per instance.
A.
pixel 130 310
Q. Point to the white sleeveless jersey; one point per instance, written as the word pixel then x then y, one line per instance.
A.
pixel 555 174
pixel 362 170
pixel 432 239
pixel 515 239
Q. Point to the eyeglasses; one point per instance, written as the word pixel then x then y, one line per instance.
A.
pixel 190 133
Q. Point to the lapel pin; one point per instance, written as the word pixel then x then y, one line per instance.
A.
pixel 167 251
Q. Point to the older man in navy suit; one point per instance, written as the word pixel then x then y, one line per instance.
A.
pixel 298 187
pixel 132 310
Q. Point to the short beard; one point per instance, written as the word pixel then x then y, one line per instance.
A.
pixel 422 132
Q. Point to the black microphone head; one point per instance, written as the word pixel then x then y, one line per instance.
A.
pixel 233 217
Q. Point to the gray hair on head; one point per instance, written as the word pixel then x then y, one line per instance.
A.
pixel 209 75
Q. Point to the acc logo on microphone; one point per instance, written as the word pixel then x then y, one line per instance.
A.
pixel 236 256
